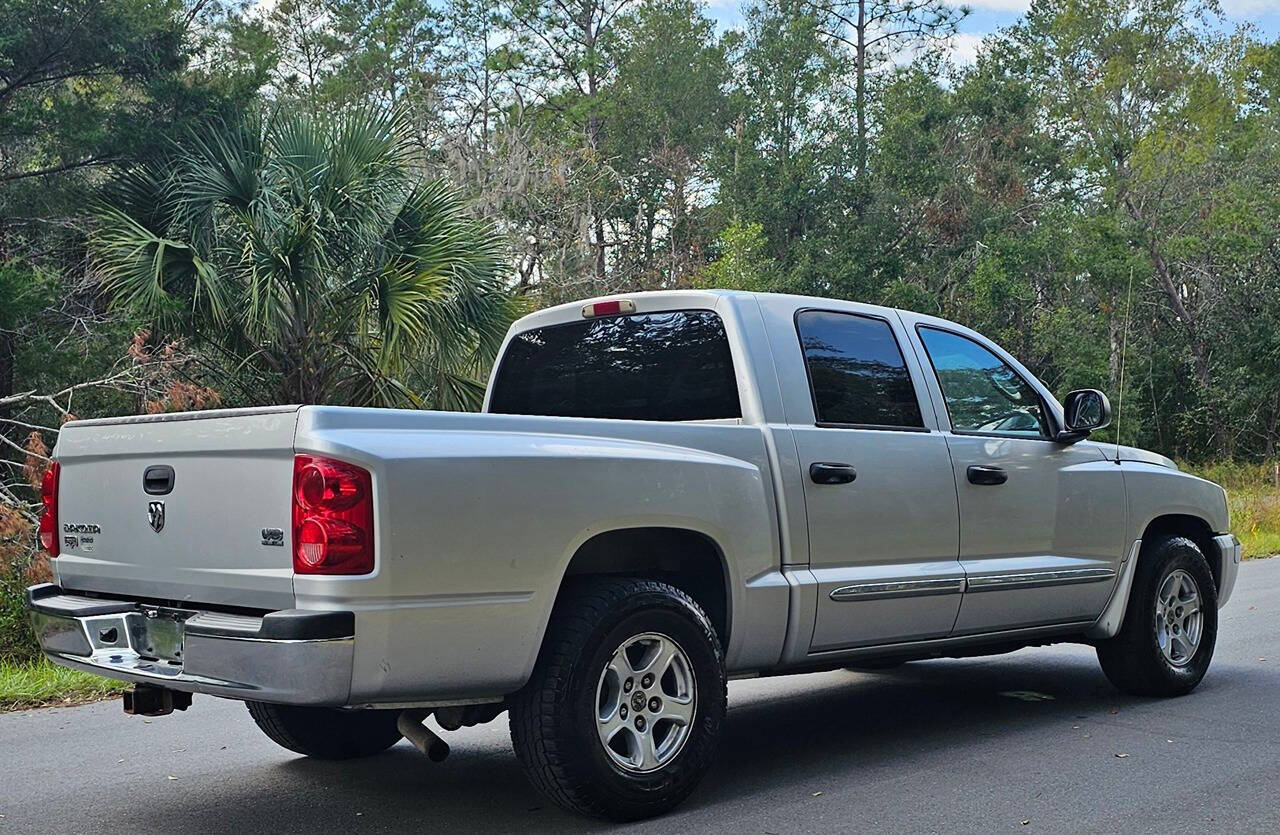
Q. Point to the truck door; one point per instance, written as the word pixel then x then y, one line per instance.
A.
pixel 1041 522
pixel 879 497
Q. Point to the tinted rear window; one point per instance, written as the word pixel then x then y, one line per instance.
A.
pixel 673 365
pixel 856 371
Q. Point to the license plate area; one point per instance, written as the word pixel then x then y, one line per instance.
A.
pixel 157 633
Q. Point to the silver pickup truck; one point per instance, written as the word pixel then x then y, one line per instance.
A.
pixel 665 491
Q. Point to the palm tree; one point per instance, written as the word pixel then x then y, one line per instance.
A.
pixel 313 260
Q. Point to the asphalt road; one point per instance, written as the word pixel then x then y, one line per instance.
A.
pixel 1032 741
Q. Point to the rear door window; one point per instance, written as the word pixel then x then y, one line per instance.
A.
pixel 669 366
pixel 856 372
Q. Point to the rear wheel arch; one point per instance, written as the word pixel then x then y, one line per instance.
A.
pixel 688 559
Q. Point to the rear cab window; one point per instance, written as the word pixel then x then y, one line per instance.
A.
pixel 673 365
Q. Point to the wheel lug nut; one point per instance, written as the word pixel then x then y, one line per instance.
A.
pixel 640 723
pixel 655 704
pixel 627 685
pixel 647 681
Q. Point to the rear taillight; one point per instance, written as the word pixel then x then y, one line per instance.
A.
pixel 332 517
pixel 49 517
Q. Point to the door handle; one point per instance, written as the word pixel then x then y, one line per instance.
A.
pixel 984 474
pixel 823 472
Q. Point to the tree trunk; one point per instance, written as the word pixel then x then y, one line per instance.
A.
pixel 860 93
pixel 1272 426
pixel 1115 333
pixel 8 363
pixel 677 228
pixel 595 130
pixel 1199 348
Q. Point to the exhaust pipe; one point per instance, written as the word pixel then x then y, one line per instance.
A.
pixel 144 700
pixel 423 738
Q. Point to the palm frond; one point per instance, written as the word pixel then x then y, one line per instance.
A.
pixel 153 273
pixel 223 165
pixel 311 253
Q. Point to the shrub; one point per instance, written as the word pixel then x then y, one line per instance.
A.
pixel 21 565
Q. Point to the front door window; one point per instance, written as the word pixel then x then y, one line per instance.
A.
pixel 983 394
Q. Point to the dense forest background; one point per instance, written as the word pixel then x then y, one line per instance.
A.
pixel 347 201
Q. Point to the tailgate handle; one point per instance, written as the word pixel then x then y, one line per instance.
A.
pixel 158 480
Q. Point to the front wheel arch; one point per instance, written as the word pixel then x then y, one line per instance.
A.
pixel 1193 528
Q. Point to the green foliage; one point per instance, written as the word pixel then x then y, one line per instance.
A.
pixel 783 165
pixel 665 111
pixel 41 683
pixel 1107 174
pixel 87 83
pixel 307 253
pixel 16 639
pixel 743 263
pixel 1253 499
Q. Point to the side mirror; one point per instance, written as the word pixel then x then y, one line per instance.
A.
pixel 1085 411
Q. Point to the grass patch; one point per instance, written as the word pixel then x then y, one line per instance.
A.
pixel 42 683
pixel 1253 498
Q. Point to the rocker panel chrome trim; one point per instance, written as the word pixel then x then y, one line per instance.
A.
pixel 898 588
pixel 1039 579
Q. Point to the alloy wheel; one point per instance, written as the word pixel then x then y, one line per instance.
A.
pixel 645 702
pixel 1179 621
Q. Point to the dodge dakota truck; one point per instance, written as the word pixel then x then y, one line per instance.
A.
pixel 664 491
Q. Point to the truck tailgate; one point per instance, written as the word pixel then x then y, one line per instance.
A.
pixel 205 539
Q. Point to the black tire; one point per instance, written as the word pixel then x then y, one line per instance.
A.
pixel 877 666
pixel 1133 660
pixel 554 717
pixel 325 733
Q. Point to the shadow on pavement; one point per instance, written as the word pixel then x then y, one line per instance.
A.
pixel 831 729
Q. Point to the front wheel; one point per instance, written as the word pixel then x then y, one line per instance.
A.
pixel 621 716
pixel 1166 641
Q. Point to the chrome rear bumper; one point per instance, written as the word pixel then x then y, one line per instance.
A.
pixel 290 657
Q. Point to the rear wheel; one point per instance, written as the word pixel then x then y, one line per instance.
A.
pixel 621 716
pixel 1171 625
pixel 325 733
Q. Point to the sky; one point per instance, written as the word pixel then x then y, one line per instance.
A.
pixel 987 16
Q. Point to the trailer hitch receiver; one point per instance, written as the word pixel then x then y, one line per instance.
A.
pixel 144 700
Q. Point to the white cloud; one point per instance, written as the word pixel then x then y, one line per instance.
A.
pixel 1020 6
pixel 1244 8
pixel 1232 8
pixel 964 47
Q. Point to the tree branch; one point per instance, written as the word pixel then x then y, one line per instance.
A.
pixel 55 169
